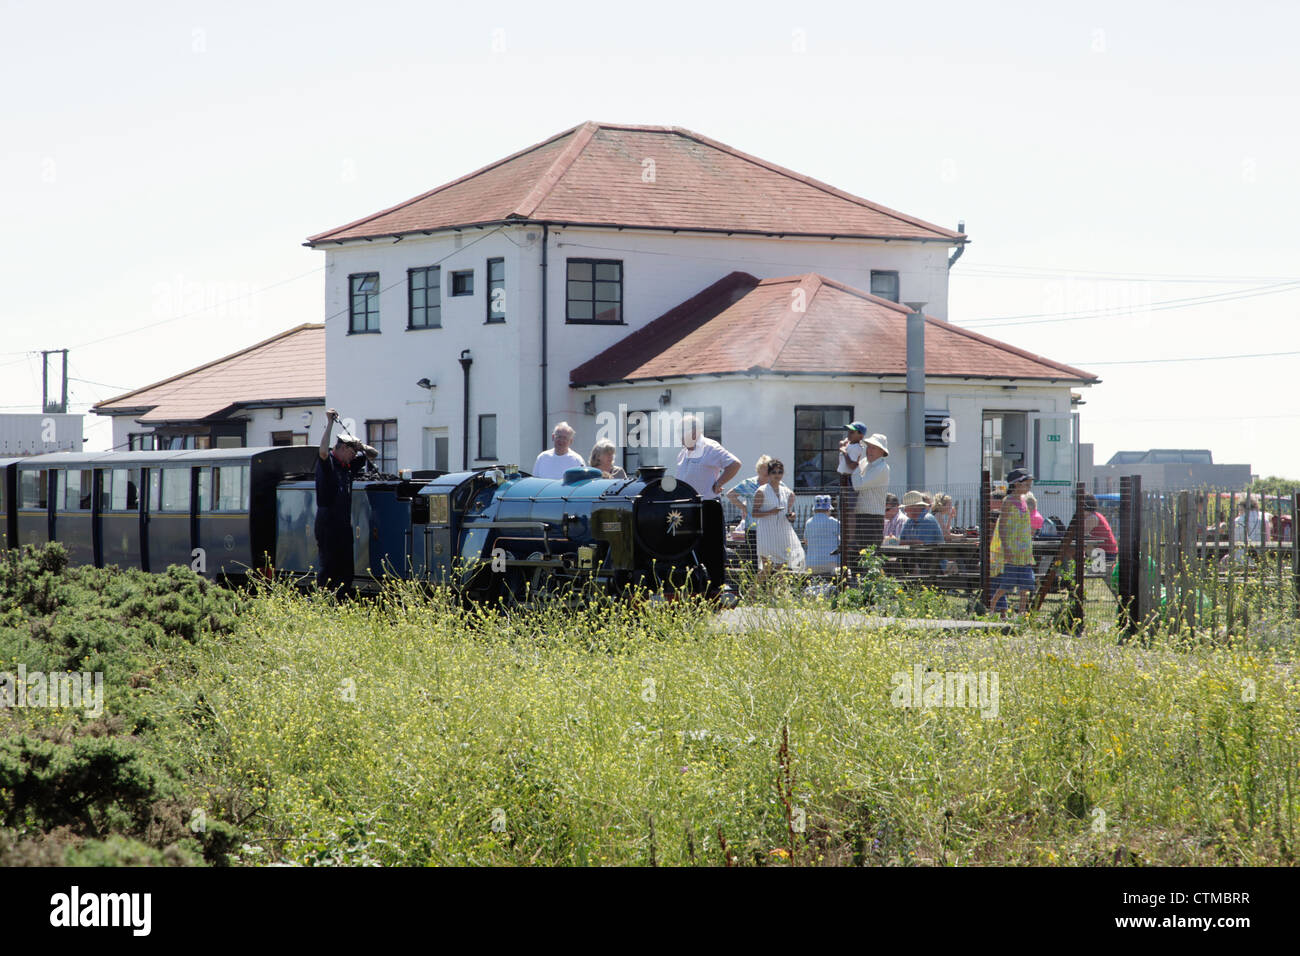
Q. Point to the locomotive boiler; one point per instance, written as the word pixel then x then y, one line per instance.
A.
pixel 500 534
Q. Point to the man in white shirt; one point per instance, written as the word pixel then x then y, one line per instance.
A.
pixel 871 481
pixel 553 463
pixel 703 463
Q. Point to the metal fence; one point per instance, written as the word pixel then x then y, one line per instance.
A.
pixel 962 562
pixel 1200 559
pixel 1206 559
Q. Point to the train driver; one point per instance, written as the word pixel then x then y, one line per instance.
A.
pixel 335 469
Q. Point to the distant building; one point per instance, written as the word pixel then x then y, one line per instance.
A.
pixel 1165 468
pixel 35 434
pixel 271 393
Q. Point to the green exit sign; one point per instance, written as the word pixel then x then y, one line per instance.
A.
pixel 1053 437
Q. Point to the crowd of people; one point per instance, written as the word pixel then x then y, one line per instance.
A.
pixel 869 515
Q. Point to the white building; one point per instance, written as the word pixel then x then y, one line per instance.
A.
pixel 22 435
pixel 271 393
pixel 501 285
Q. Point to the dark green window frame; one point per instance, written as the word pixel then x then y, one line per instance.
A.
pixel 594 292
pixel 363 303
pixel 424 297
pixel 496 279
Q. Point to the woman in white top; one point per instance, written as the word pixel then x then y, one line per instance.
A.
pixel 774 510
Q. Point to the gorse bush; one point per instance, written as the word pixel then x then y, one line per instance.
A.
pixel 81 786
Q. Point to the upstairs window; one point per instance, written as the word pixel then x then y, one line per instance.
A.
pixel 364 302
pixel 424 298
pixel 462 283
pixel 885 285
pixel 496 290
pixel 595 291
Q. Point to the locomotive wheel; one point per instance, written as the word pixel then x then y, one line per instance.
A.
pixel 523 589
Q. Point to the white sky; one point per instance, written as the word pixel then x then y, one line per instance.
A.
pixel 162 157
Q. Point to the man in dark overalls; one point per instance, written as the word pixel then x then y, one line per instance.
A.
pixel 335 469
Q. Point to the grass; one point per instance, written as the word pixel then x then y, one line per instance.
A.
pixel 642 736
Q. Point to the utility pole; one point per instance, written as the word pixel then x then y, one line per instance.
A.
pixel 46 405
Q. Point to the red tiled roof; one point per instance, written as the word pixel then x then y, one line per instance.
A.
pixel 593 175
pixel 289 367
pixel 741 324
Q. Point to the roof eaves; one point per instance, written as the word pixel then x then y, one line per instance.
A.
pixel 1070 370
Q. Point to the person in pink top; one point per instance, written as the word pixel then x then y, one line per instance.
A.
pixel 1035 519
pixel 1097 529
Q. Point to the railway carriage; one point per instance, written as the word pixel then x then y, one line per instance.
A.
pixel 150 509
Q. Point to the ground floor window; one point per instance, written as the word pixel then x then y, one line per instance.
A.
pixel 487 438
pixel 817 433
pixel 381 434
pixel 655 437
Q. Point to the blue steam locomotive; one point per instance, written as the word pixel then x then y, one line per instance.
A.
pixel 496 534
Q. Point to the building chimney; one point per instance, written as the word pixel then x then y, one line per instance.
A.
pixel 916 396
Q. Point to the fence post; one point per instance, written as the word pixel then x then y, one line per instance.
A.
pixel 1127 558
pixel 1295 551
pixel 1140 570
pixel 986 540
pixel 1080 569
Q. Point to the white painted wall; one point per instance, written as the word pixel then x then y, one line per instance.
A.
pixel 262 422
pixel 758 416
pixel 373 375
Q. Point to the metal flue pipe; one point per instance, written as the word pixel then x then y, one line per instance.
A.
pixel 916 396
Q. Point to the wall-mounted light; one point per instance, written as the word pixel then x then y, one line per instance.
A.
pixel 430 387
pixel 666 396
pixel 589 406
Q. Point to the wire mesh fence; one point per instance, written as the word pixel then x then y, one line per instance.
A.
pixel 1207 559
pixel 1201 559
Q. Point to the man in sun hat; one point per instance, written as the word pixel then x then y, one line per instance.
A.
pixel 871 479
pixel 821 534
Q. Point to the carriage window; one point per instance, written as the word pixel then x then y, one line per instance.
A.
pixel 119 490
pixel 232 487
pixel 35 489
pixel 176 489
pixel 205 489
pixel 76 489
